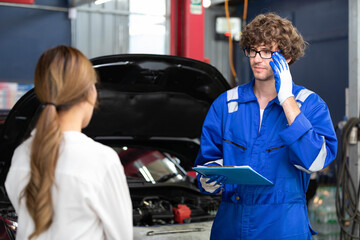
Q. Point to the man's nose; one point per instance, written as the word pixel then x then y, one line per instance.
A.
pixel 257 57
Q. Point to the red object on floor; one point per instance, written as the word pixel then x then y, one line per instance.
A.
pixel 181 212
pixel 19 1
pixel 191 174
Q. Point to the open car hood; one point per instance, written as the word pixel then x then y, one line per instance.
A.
pixel 141 98
pixel 147 96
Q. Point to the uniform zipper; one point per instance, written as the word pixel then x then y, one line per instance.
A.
pixel 272 149
pixel 243 148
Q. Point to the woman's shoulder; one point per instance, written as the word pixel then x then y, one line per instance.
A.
pixel 87 145
pixel 82 152
pixel 22 152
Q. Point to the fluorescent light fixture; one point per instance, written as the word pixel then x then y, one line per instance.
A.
pixel 97 2
pixel 221 25
pixel 206 3
pixel 222 30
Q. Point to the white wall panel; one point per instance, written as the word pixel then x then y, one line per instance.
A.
pixel 102 29
pixel 216 50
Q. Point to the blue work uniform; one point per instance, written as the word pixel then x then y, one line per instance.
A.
pixel 285 155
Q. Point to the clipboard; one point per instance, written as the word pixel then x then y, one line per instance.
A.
pixel 235 174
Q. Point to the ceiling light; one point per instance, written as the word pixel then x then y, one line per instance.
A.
pixel 97 2
pixel 206 3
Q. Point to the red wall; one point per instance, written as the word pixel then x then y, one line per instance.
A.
pixel 187 29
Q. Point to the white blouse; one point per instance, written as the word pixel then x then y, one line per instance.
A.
pixel 91 198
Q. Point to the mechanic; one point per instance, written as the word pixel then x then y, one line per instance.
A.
pixel 281 130
pixel 62 184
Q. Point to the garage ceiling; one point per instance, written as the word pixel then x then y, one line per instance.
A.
pixel 75 3
pixel 231 2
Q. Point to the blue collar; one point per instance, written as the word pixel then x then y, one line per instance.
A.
pixel 246 93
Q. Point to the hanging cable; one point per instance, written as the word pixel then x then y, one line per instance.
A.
pixel 245 13
pixel 231 60
pixel 347 193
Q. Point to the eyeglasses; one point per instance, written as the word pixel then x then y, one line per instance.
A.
pixel 264 54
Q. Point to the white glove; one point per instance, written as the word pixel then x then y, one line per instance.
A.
pixel 282 75
pixel 213 183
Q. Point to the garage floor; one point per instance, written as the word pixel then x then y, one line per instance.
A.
pixel 199 231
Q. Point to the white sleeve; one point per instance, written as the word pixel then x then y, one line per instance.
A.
pixel 11 189
pixel 16 180
pixel 114 206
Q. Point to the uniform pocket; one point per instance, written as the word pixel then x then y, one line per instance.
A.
pixel 234 152
pixel 277 160
pixel 274 148
pixel 235 144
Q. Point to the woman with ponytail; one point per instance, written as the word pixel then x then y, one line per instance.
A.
pixel 62 184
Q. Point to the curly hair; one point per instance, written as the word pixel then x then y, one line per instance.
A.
pixel 270 28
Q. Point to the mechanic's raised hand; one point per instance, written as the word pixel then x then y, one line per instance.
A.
pixel 212 183
pixel 282 75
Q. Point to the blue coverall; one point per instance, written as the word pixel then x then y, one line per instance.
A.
pixel 286 155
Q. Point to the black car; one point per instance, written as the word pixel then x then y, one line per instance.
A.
pixel 151 110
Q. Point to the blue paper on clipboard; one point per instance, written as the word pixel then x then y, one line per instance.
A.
pixel 236 174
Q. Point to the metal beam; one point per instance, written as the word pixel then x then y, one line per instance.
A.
pixel 354 79
pixel 76 3
pixel 33 6
pixel 354 88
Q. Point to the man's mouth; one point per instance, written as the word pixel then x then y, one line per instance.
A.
pixel 258 68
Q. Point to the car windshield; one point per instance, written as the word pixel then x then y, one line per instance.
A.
pixel 150 165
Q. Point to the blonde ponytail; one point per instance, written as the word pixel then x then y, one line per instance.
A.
pixel 63 77
pixel 43 164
